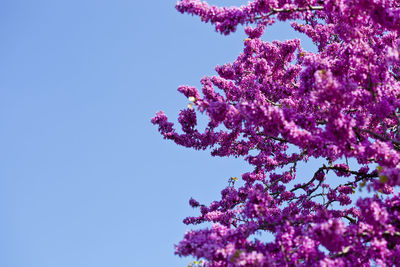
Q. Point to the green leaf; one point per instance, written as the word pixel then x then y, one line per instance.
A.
pixel 383 178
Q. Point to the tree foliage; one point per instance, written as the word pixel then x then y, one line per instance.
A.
pixel 278 105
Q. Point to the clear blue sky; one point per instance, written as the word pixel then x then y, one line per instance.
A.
pixel 85 179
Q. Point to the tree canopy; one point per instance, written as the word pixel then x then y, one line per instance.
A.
pixel 278 105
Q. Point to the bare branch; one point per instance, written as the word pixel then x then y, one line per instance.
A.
pixel 281 10
pixel 377 136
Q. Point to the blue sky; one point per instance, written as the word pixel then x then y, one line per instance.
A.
pixel 85 179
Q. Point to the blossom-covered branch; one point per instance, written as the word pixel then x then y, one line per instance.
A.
pixel 277 106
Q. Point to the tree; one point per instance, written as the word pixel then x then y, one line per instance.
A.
pixel 279 106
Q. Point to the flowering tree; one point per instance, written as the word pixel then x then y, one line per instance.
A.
pixel 278 106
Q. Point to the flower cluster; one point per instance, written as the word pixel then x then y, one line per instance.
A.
pixel 277 106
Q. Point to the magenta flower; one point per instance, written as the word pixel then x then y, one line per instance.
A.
pixel 277 106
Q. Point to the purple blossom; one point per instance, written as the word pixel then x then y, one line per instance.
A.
pixel 338 104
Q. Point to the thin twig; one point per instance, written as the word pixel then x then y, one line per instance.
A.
pixel 281 10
